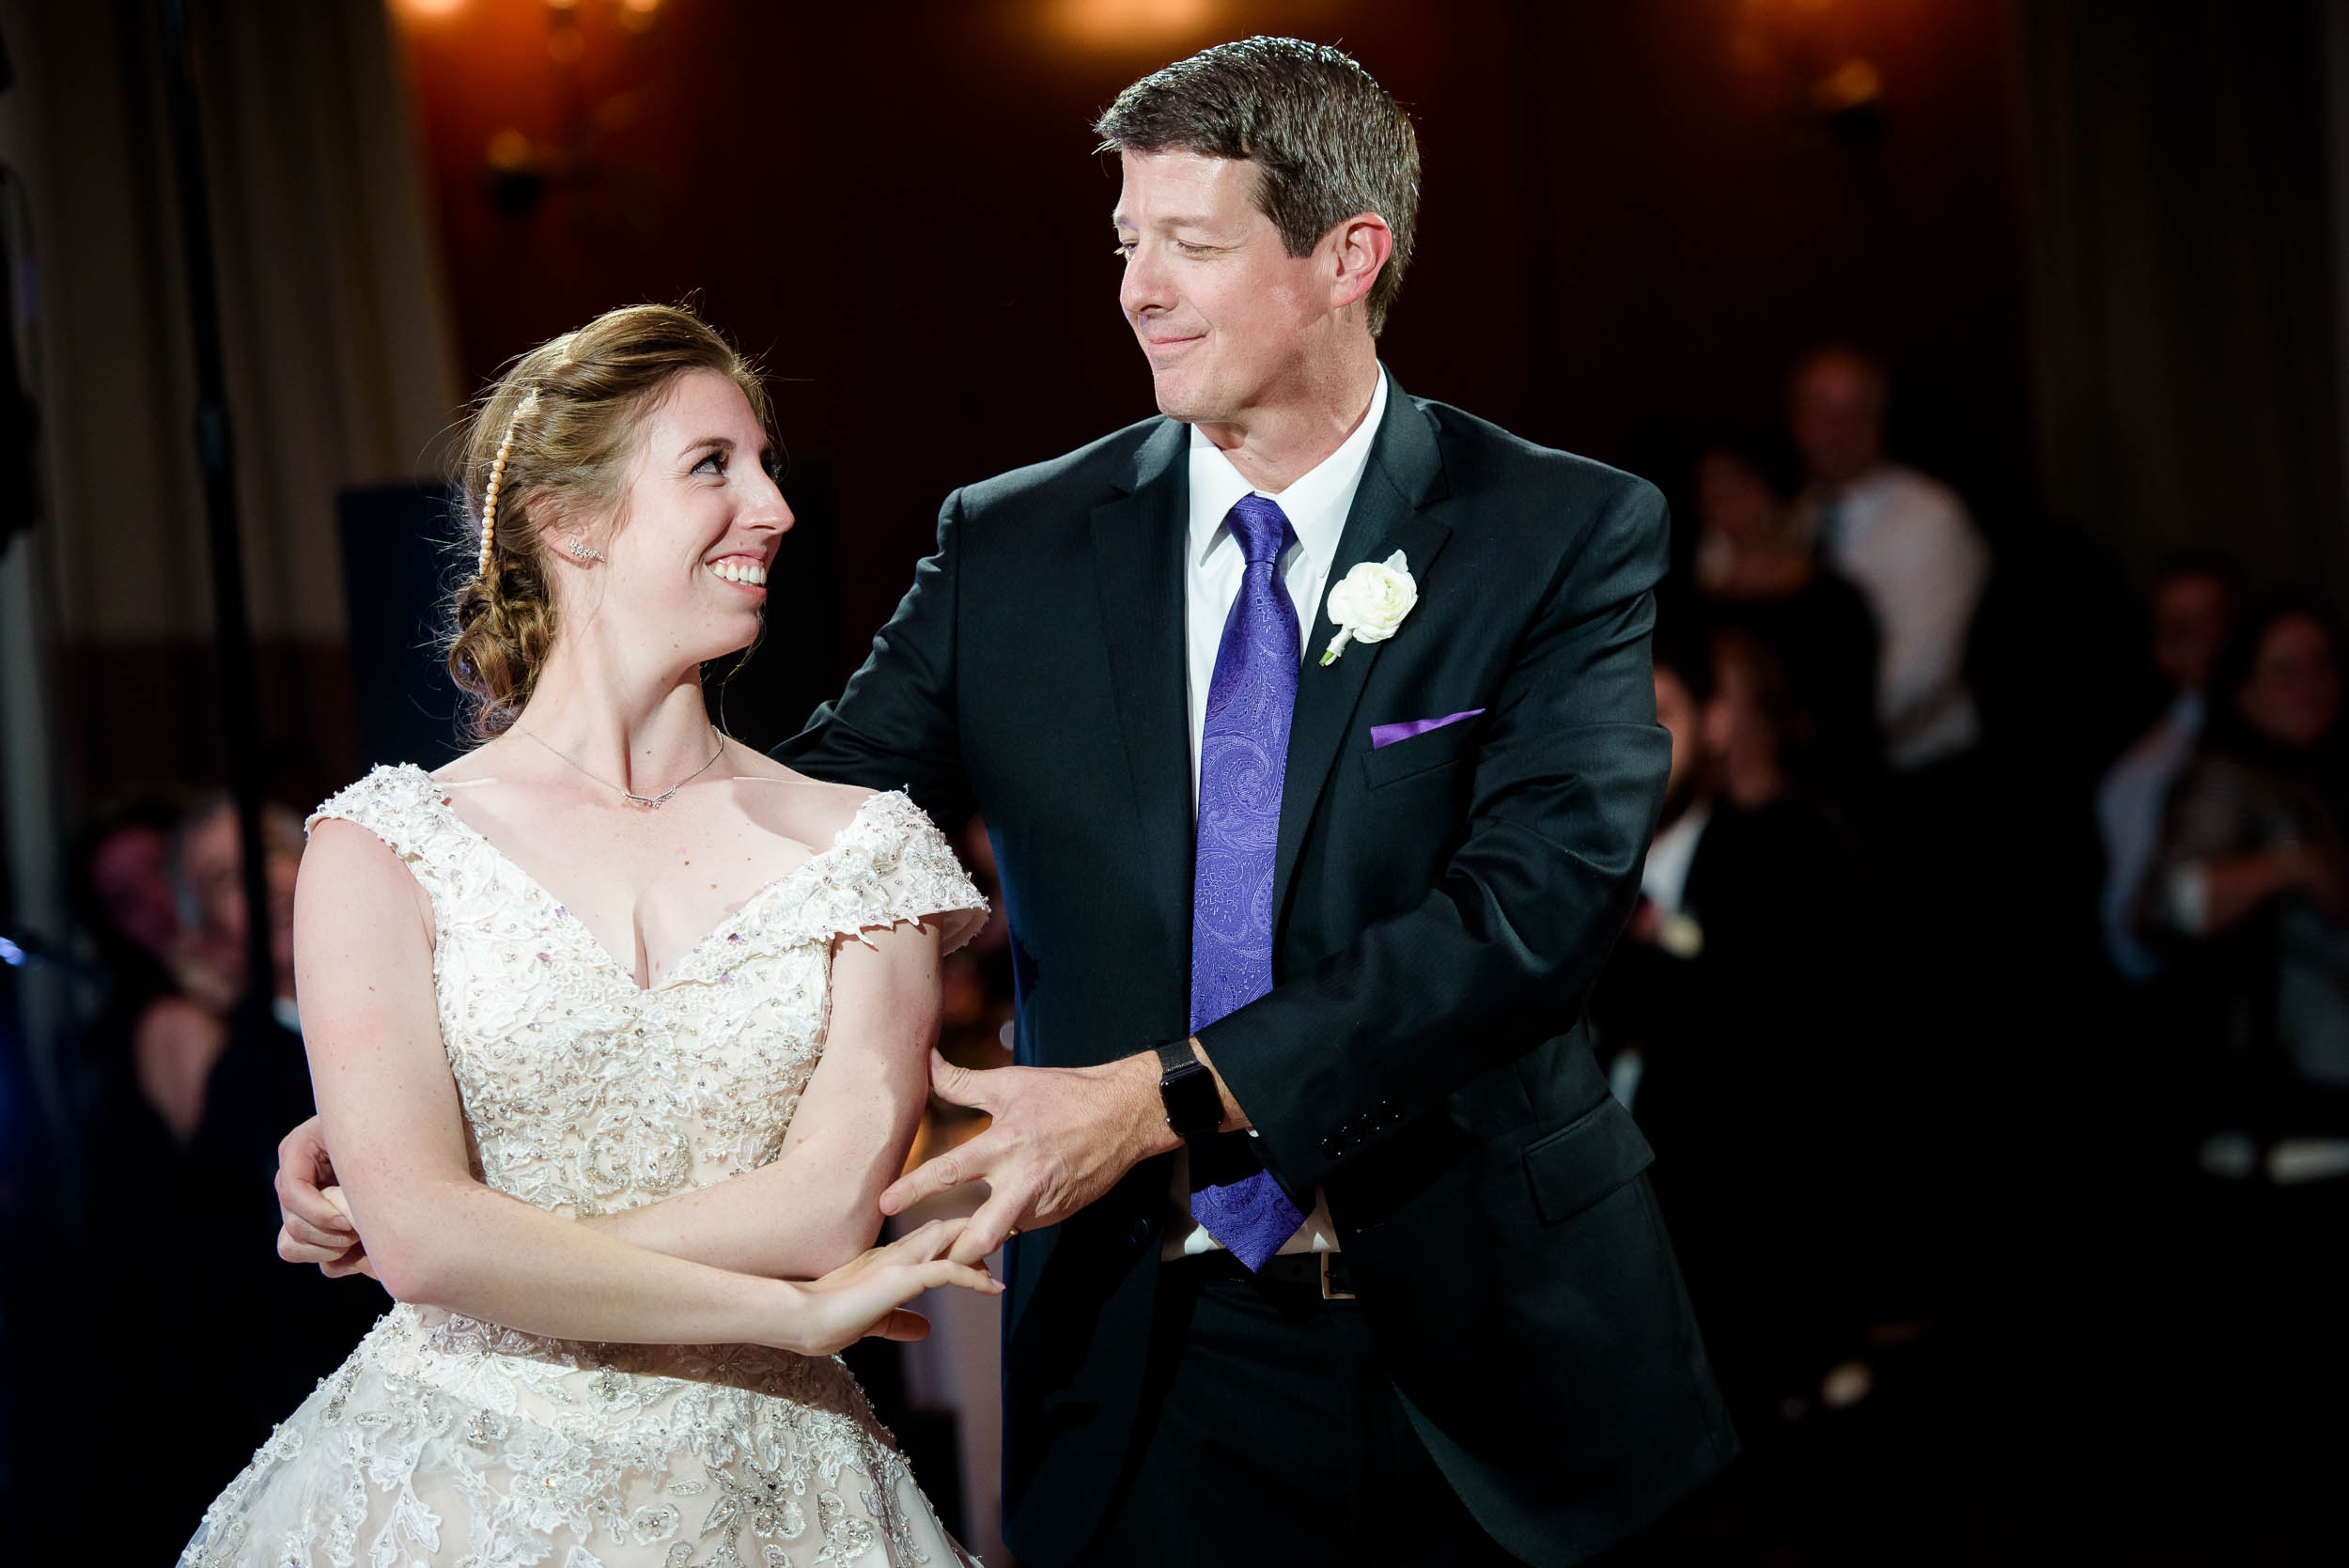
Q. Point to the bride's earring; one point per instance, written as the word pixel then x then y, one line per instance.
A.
pixel 584 553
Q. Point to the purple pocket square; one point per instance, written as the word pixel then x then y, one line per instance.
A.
pixel 1387 735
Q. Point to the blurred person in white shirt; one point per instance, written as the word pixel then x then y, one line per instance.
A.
pixel 1905 540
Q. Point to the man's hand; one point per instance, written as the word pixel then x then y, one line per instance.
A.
pixel 316 1227
pixel 1059 1138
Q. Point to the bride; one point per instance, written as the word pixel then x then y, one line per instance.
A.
pixel 617 1031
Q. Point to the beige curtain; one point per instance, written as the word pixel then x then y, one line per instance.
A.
pixel 341 363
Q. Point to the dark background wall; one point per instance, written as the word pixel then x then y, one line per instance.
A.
pixel 2094 240
pixel 1634 215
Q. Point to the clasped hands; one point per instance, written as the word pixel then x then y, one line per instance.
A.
pixel 1058 1138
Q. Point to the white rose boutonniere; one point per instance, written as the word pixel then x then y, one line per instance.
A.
pixel 1369 603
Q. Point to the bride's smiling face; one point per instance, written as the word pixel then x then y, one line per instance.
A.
pixel 686 567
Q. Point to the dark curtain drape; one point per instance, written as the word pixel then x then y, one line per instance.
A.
pixel 2181 273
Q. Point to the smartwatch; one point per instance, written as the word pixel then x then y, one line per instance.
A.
pixel 1194 1108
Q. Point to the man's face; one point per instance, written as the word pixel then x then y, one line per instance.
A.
pixel 131 875
pixel 1838 418
pixel 1226 316
pixel 2193 615
pixel 211 858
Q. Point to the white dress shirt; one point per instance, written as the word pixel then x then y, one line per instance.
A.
pixel 1664 876
pixel 1317 504
pixel 1907 544
pixel 1663 882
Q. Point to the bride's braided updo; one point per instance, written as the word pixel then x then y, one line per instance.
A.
pixel 555 436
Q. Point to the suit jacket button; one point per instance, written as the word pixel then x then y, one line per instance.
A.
pixel 1140 1232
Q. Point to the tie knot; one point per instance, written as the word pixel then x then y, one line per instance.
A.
pixel 1260 526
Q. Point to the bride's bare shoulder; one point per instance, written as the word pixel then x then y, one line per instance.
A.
pixel 350 873
pixel 809 810
pixel 478 766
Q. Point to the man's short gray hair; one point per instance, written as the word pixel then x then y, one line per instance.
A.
pixel 1326 140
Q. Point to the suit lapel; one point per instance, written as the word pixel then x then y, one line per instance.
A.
pixel 1138 542
pixel 1403 475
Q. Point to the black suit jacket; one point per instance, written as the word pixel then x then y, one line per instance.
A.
pixel 1443 904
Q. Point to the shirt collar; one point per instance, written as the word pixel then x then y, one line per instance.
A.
pixel 1310 504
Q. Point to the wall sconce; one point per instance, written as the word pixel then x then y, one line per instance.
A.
pixel 1791 51
pixel 518 171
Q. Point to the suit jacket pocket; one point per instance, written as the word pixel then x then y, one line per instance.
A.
pixel 1419 753
pixel 1585 1160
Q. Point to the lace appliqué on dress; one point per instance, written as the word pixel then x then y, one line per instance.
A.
pixel 444 1440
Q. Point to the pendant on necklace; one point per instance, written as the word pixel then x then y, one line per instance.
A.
pixel 653 803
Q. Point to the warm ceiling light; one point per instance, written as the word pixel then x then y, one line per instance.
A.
pixel 428 9
pixel 1112 23
pixel 644 7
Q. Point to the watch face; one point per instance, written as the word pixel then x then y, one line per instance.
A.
pixel 1193 1109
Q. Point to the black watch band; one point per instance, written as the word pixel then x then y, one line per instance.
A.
pixel 1194 1108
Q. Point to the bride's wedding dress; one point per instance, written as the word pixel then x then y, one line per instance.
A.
pixel 447 1441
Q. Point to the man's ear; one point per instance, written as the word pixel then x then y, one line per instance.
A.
pixel 1360 246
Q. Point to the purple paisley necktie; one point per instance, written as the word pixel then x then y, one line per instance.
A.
pixel 1242 753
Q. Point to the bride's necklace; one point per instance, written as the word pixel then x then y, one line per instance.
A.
pixel 651 803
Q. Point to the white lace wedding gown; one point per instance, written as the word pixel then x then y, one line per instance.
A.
pixel 447 1441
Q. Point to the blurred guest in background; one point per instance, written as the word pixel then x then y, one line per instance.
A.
pixel 189 1095
pixel 2193 608
pixel 1905 540
pixel 1758 571
pixel 1726 1017
pixel 1944 854
pixel 180 1037
pixel 2251 886
pixel 223 1072
pixel 130 908
pixel 123 885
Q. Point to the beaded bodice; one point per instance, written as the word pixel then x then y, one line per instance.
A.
pixel 585 1092
pixel 444 1442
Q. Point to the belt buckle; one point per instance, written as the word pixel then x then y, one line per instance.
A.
pixel 1329 1292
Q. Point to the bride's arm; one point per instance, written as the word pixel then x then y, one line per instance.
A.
pixel 390 1111
pixel 818 1204
pixel 811 1209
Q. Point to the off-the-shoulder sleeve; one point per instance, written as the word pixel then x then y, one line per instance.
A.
pixel 891 865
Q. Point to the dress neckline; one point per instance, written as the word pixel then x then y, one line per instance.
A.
pixel 437 793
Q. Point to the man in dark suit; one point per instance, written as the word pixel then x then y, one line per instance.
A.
pixel 1336 1247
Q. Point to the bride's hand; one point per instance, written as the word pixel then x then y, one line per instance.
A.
pixel 317 1223
pixel 868 1295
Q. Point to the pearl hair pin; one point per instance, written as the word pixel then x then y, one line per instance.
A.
pixel 497 480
